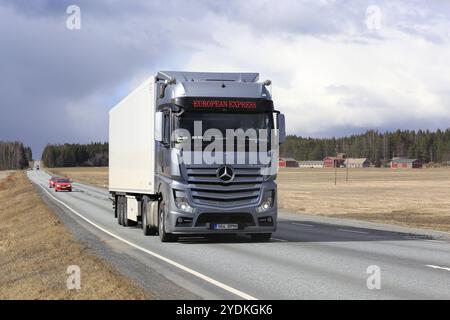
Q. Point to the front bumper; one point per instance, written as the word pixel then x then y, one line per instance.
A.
pixel 63 188
pixel 201 219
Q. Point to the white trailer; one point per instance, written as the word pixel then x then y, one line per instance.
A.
pixel 132 151
pixel 132 142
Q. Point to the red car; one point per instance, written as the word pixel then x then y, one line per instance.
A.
pixel 51 182
pixel 63 184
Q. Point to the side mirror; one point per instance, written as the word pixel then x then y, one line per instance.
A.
pixel 159 126
pixel 281 126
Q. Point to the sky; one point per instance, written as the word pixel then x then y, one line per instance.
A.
pixel 337 67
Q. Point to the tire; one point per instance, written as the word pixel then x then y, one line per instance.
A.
pixel 146 229
pixel 261 237
pixel 123 216
pixel 119 210
pixel 163 235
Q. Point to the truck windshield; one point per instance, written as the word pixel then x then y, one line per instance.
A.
pixel 224 121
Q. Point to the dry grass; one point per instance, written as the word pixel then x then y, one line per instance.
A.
pixel 418 198
pixel 97 176
pixel 4 174
pixel 36 249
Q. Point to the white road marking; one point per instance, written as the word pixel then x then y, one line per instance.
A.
pixel 353 231
pixel 437 267
pixel 278 239
pixel 302 224
pixel 158 256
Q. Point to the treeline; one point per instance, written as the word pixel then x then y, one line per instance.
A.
pixel 14 156
pixel 76 155
pixel 378 147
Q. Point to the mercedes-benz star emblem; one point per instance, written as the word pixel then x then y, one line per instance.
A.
pixel 225 173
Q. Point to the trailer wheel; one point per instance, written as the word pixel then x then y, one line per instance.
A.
pixel 120 210
pixel 115 206
pixel 163 235
pixel 123 210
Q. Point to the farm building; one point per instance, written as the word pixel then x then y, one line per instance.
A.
pixel 406 163
pixel 357 163
pixel 331 162
pixel 288 162
pixel 311 164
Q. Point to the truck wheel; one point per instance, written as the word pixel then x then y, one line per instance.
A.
pixel 146 229
pixel 163 235
pixel 261 237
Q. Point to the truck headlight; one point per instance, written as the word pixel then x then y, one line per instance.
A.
pixel 267 201
pixel 181 201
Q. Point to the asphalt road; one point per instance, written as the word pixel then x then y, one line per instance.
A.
pixel 307 258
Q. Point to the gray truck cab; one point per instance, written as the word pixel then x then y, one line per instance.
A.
pixel 226 191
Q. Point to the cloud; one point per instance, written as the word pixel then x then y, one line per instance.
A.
pixel 56 78
pixel 336 84
pixel 332 75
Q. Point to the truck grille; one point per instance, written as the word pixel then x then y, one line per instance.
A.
pixel 208 189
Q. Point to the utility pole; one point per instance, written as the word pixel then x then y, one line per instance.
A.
pixel 335 166
pixel 346 161
pixel 335 171
pixel 346 168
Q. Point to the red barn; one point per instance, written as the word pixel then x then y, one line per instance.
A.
pixel 402 163
pixel 288 162
pixel 331 162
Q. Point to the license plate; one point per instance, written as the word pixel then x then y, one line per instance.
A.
pixel 225 226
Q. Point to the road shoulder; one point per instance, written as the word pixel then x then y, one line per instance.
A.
pixel 113 252
pixel 42 260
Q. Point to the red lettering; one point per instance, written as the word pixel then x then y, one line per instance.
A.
pixel 224 104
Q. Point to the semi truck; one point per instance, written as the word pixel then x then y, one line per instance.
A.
pixel 159 176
